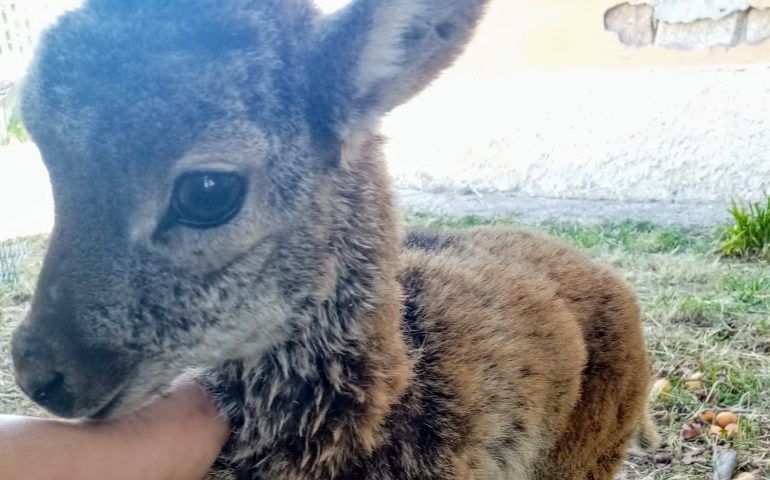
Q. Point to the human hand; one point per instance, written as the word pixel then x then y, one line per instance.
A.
pixel 177 437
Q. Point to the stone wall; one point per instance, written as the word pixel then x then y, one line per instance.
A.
pixel 527 34
pixel 669 25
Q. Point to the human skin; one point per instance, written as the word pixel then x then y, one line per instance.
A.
pixel 177 437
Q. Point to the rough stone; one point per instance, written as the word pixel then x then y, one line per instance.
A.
pixel 634 24
pixel 700 34
pixel 680 11
pixel 758 26
pixel 759 3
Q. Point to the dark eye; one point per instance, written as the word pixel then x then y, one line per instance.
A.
pixel 207 199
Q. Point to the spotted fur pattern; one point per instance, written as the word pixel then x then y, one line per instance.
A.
pixel 338 346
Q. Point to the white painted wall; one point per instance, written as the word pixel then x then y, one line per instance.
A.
pixel 672 134
pixel 669 133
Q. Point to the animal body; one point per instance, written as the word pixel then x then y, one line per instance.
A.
pixel 222 204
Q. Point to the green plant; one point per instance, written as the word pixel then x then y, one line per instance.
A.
pixel 750 235
pixel 15 129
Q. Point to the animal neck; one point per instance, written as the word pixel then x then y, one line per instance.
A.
pixel 324 395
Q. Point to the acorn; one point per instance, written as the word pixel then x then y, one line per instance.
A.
pixel 731 430
pixel 707 416
pixel 716 431
pixel 726 418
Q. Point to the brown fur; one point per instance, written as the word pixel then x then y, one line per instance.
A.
pixel 536 325
pixel 535 337
pixel 538 351
pixel 338 347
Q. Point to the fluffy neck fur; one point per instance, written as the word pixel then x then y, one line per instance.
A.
pixel 309 405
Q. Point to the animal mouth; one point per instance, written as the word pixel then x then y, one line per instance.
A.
pixel 109 406
pixel 121 401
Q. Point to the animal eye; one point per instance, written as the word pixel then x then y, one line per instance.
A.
pixel 207 199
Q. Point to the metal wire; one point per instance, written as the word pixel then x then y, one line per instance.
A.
pixel 13 254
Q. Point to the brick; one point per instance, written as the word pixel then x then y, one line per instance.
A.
pixel 632 23
pixel 700 34
pixel 758 26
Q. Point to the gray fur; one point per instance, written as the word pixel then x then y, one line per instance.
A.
pixel 124 95
pixel 292 311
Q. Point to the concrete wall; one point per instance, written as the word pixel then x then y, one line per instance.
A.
pixel 548 102
pixel 552 99
pixel 684 134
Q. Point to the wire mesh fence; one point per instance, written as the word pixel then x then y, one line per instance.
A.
pixel 13 254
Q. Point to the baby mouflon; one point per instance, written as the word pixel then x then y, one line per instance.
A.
pixel 222 205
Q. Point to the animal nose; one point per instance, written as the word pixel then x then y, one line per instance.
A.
pixel 48 389
pixel 37 375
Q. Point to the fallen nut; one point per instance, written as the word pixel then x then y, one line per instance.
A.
pixel 707 416
pixel 726 418
pixel 661 386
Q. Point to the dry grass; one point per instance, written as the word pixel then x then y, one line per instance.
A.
pixel 705 316
pixel 20 261
pixel 702 314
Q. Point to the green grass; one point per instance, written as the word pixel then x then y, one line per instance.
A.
pixel 638 237
pixel 702 313
pixel 749 236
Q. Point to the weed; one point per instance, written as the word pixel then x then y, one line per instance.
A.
pixel 695 310
pixel 630 236
pixel 750 235
pixel 15 130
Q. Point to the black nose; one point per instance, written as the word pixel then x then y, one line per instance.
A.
pixel 37 375
pixel 48 389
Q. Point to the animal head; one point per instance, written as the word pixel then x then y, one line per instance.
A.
pixel 194 150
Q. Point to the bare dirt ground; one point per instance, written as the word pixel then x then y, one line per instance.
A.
pixel 534 210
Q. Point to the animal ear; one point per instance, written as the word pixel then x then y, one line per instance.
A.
pixel 374 55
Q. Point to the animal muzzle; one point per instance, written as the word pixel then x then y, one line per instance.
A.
pixel 68 379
